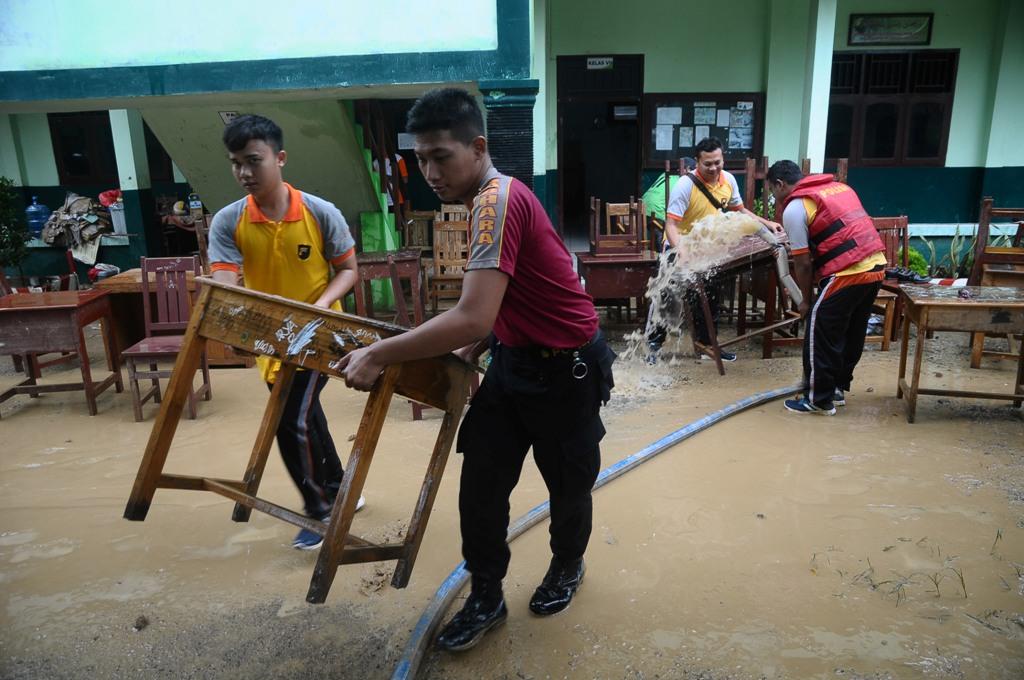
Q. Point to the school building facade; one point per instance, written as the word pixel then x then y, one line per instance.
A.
pixel 582 98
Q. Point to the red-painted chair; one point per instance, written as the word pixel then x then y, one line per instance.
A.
pixel 164 330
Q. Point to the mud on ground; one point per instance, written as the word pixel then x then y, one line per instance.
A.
pixel 771 546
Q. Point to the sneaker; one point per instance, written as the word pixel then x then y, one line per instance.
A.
pixel 838 398
pixel 468 627
pixel 726 356
pixel 310 540
pixel 802 405
pixel 557 589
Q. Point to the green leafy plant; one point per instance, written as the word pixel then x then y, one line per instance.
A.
pixel 916 261
pixel 933 264
pixel 961 253
pixel 14 233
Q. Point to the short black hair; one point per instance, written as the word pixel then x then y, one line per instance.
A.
pixel 787 171
pixel 447 108
pixel 243 129
pixel 708 144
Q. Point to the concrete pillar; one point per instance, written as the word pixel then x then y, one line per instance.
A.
pixel 145 235
pixel 9 164
pixel 800 44
pixel 819 76
pixel 509 105
pixel 1005 143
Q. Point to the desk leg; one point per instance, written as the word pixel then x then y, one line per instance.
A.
pixel 915 378
pixel 431 483
pixel 358 465
pixel 110 347
pixel 152 466
pixel 904 346
pixel 83 361
pixel 265 438
pixel 1020 375
pixel 977 348
pixel 709 322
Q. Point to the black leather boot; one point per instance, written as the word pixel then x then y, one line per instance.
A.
pixel 558 587
pixel 484 609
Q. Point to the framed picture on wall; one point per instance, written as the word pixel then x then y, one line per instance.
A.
pixel 890 29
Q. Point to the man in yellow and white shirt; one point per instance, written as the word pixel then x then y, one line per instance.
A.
pixel 295 245
pixel 687 204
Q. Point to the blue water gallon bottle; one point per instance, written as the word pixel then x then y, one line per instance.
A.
pixel 36 216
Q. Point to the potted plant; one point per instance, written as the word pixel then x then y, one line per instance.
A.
pixel 14 232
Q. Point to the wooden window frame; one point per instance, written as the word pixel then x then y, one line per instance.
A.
pixel 905 102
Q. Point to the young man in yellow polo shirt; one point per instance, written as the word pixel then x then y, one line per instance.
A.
pixel 298 246
pixel 696 195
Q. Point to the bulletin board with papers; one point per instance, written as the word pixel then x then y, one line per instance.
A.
pixel 675 123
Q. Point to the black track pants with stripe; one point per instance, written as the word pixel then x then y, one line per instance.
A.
pixel 306 445
pixel 834 340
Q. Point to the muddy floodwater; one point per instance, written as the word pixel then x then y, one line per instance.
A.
pixel 773 545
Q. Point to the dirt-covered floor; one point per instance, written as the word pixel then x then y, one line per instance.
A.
pixel 770 546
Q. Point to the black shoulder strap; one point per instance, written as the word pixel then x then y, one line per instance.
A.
pixel 699 183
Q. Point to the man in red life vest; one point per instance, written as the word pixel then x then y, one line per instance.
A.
pixel 834 243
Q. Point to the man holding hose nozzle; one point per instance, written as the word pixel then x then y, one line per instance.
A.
pixel 834 243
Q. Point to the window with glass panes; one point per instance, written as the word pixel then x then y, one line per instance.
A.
pixel 891 108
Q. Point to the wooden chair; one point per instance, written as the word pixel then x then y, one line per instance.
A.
pixel 996 265
pixel 203 240
pixel 451 253
pixel 418 229
pixel 165 333
pixel 895 235
pixel 621 232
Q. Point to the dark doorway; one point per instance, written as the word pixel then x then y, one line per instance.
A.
pixel 599 119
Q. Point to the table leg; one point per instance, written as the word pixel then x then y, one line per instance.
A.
pixel 431 483
pixel 915 378
pixel 87 383
pixel 110 347
pixel 770 310
pixel 152 465
pixel 264 439
pixel 709 322
pixel 1020 375
pixel 904 346
pixel 356 469
pixel 977 348
pixel 417 298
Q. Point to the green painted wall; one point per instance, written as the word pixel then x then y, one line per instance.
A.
pixel 323 157
pixel 673 35
pixel 969 25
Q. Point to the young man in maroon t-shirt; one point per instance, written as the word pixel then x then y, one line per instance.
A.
pixel 549 374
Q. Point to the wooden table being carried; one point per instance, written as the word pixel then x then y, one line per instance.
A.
pixel 750 254
pixel 303 335
pixel 36 323
pixel 941 308
pixel 129 324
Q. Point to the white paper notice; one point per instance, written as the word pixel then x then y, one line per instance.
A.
pixel 745 106
pixel 670 115
pixel 723 118
pixel 703 115
pixel 702 132
pixel 710 104
pixel 663 138
pixel 685 137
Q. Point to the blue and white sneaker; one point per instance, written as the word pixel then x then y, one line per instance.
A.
pixel 838 398
pixel 726 356
pixel 310 540
pixel 802 405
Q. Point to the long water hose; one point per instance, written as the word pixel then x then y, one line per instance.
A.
pixel 422 635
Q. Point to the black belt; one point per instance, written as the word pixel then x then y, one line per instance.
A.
pixel 553 352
